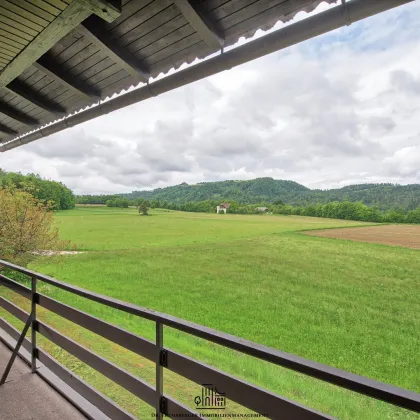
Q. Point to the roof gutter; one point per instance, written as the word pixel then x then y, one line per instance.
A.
pixel 337 17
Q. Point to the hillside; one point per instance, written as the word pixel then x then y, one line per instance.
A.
pixel 254 191
pixel 384 196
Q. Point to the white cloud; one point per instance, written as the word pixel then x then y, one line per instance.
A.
pixel 404 162
pixel 337 110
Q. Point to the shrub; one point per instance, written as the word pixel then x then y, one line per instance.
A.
pixel 26 227
pixel 144 208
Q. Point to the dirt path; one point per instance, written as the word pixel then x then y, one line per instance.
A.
pixel 407 236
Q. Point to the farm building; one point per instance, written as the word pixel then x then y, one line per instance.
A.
pixel 222 207
pixel 262 209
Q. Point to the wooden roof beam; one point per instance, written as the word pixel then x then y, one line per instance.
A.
pixel 204 28
pixel 108 10
pixel 75 13
pixel 35 98
pixel 93 30
pixel 72 16
pixel 49 67
pixel 7 130
pixel 17 115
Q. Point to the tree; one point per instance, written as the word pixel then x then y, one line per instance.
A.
pixel 278 202
pixel 59 196
pixel 144 208
pixel 110 203
pixel 233 208
pixel 67 198
pixel 26 227
pixel 413 216
pixel 154 204
pixel 123 203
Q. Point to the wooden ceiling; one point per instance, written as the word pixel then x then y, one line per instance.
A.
pixel 59 56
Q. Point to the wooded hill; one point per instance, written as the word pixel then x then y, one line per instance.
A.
pixel 56 193
pixel 269 190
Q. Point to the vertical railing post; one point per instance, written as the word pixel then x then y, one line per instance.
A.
pixel 33 313
pixel 160 364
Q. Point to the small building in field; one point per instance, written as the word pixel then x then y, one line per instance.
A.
pixel 222 207
pixel 262 209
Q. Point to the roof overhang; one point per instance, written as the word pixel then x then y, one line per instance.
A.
pixel 58 62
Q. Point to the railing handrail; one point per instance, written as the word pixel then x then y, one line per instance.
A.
pixel 360 384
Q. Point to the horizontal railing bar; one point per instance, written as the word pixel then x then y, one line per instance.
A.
pixel 132 384
pixel 375 389
pixel 88 409
pixel 79 401
pixel 13 309
pixel 176 410
pixel 18 268
pixel 241 392
pixel 99 400
pixel 256 399
pixel 247 395
pixel 15 334
pixel 83 388
pixel 111 332
pixel 123 378
pixel 391 394
pixel 16 349
pixel 15 286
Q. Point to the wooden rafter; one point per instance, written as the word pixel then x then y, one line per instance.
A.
pixel 17 115
pixel 49 67
pixel 35 98
pixel 71 16
pixel 7 130
pixel 108 10
pixel 204 28
pixel 74 14
pixel 93 30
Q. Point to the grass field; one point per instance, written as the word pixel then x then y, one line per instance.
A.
pixel 348 304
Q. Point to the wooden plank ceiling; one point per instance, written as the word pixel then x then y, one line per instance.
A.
pixel 101 47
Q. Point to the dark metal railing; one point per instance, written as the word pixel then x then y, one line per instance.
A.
pixel 245 394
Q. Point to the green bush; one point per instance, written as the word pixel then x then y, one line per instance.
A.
pixel 56 194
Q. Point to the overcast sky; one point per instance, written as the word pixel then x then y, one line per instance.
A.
pixel 341 109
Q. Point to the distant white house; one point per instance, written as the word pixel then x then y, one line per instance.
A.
pixel 222 207
pixel 262 209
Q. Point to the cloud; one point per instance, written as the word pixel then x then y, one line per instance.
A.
pixel 404 162
pixel 405 82
pixel 339 109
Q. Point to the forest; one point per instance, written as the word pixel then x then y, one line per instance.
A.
pixel 345 210
pixel 386 197
pixel 57 194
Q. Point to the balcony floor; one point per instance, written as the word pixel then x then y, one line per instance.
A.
pixel 25 396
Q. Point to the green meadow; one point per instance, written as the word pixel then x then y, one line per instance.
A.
pixel 351 305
